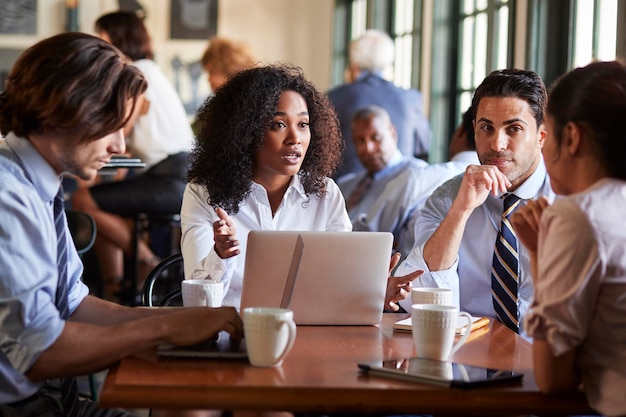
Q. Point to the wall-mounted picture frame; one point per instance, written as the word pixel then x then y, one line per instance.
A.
pixel 193 19
pixel 18 17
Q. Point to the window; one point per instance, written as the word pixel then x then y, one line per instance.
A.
pixel 483 45
pixel 594 38
pixel 406 32
pixel 470 39
pixel 350 21
pixel 400 18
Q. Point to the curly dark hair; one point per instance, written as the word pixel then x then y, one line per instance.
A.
pixel 233 124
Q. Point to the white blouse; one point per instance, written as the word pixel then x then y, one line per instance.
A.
pixel 297 211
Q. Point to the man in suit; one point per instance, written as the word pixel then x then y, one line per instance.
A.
pixel 370 55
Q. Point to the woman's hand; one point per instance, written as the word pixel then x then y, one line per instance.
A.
pixel 526 220
pixel 225 235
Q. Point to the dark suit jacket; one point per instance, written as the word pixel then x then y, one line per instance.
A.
pixel 404 108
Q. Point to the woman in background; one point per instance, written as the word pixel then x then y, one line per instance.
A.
pixel 223 58
pixel 578 245
pixel 160 135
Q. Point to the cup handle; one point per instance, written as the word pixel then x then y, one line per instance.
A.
pixel 292 338
pixel 465 335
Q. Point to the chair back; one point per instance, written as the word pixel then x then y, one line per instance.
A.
pixel 82 228
pixel 162 286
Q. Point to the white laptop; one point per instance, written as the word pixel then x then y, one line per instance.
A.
pixel 326 278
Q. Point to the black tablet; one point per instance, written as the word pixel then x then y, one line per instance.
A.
pixel 222 348
pixel 440 373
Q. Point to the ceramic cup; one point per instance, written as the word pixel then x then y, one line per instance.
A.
pixel 434 328
pixel 430 295
pixel 269 333
pixel 202 293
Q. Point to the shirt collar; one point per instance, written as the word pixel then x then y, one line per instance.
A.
pixel 37 170
pixel 529 188
pixel 396 159
pixel 295 186
pixel 368 73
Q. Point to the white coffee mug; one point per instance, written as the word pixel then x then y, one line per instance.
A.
pixel 202 293
pixel 269 333
pixel 434 328
pixel 431 295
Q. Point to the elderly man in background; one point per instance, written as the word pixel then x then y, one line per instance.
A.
pixel 370 54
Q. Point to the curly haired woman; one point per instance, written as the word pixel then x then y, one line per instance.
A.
pixel 268 142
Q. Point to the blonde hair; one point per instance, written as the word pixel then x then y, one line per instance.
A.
pixel 227 56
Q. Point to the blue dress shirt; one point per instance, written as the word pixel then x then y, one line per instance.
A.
pixel 470 276
pixel 396 195
pixel 391 198
pixel 29 319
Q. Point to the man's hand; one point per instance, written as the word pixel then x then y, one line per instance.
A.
pixel 478 182
pixel 398 288
pixel 225 235
pixel 196 324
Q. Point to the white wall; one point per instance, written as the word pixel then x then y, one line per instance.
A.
pixel 292 31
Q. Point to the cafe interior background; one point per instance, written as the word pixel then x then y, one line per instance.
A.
pixel 444 48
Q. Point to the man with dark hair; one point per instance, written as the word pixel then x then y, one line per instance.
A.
pixel 463 238
pixel 66 101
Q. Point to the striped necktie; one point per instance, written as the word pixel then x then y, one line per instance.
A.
pixel 505 268
pixel 69 390
pixel 357 195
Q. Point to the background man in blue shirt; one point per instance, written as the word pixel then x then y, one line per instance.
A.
pixel 382 197
pixel 392 188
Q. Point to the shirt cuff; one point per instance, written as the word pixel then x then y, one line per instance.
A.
pixel 211 267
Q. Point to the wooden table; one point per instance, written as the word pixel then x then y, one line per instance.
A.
pixel 321 375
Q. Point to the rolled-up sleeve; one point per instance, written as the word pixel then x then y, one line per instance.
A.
pixel 29 319
pixel 569 269
pixel 429 219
